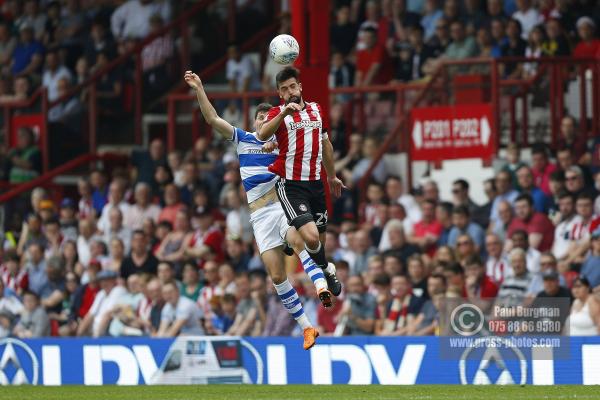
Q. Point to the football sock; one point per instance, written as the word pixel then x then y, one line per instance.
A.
pixel 314 273
pixel 291 302
pixel 318 255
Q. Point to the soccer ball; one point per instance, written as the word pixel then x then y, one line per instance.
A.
pixel 284 49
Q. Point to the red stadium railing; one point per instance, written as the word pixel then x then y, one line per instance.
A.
pixel 513 115
pixel 46 179
pixel 178 28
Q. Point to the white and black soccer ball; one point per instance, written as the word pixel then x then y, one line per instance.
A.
pixel 284 49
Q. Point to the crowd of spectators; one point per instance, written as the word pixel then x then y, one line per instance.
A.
pixel 165 247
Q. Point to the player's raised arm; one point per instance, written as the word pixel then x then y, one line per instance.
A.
pixel 270 127
pixel 208 111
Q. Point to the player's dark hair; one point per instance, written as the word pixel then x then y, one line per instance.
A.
pixel 262 107
pixel 287 73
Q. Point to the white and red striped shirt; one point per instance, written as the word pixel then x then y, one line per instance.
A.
pixel 299 138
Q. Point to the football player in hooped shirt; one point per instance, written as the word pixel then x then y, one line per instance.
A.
pixel 269 223
pixel 303 144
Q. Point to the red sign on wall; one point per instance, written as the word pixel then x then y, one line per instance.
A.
pixel 444 133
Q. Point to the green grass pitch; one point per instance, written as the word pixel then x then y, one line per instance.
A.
pixel 298 392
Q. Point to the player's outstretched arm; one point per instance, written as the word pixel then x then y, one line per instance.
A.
pixel 209 113
pixel 270 127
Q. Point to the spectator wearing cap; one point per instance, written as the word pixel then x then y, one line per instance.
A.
pixel 27 57
pixel 99 315
pixel 537 225
pixel 589 46
pixel 141 260
pixel 547 263
pixel 554 296
pixel 591 266
pixel 462 224
pixel 541 169
pixel 526 184
pixel 68 219
pixel 47 211
pixel 34 321
pixel 584 319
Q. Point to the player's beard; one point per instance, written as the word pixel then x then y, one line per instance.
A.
pixel 294 99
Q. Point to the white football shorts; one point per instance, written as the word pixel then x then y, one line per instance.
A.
pixel 270 227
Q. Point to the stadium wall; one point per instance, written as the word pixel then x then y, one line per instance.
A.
pixel 273 360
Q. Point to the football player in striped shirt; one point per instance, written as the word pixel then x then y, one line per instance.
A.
pixel 269 222
pixel 303 144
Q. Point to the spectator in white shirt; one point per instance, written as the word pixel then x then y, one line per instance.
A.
pixel 180 315
pixel 100 314
pixel 117 230
pixel 241 71
pixel 563 234
pixel 9 302
pixel 53 73
pixel 143 209
pixel 528 16
pixel 116 196
pixel 496 265
pixel 132 18
pixel 395 193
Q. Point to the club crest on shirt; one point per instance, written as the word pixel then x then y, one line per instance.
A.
pixel 303 208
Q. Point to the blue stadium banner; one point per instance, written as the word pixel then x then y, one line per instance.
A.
pixel 276 360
